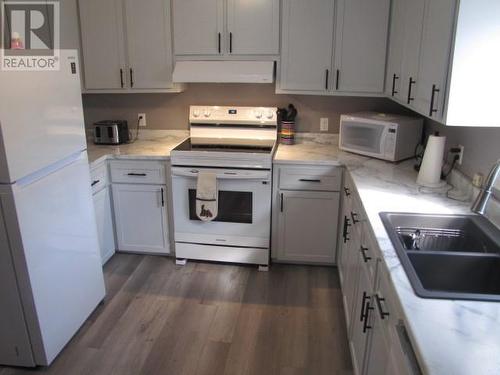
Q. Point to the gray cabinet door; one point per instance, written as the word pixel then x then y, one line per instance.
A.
pixel 307 43
pixel 351 264
pixel 198 26
pixel 393 87
pixel 363 308
pixel 149 44
pixel 413 20
pixel 307 226
pixel 141 218
pixel 104 220
pixel 101 23
pixel 436 43
pixel 360 45
pixel 253 27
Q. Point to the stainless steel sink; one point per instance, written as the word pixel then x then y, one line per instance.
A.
pixel 447 256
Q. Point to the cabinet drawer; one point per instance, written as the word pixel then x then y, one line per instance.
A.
pixel 98 177
pixel 138 172
pixel 315 179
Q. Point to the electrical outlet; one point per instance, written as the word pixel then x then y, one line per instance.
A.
pixel 323 124
pixel 141 117
pixel 460 155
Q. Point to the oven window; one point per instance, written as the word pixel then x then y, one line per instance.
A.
pixel 234 207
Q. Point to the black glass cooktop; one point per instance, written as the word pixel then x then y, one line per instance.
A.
pixel 263 146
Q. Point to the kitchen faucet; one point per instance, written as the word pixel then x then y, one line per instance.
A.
pixel 483 198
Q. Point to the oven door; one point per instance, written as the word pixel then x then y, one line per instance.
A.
pixel 363 137
pixel 244 208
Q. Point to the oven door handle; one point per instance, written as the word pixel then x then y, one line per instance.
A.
pixel 224 175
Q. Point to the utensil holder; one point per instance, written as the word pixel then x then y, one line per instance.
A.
pixel 287 134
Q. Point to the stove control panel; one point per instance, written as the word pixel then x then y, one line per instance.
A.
pixel 224 115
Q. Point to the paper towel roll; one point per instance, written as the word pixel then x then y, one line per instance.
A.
pixel 432 164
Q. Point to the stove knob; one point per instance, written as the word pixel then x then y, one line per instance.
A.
pixel 258 114
pixel 207 113
pixel 196 113
pixel 270 115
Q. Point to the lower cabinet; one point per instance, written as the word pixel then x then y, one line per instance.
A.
pixel 104 220
pixel 305 214
pixel 306 222
pixel 359 319
pixel 101 195
pixel 378 341
pixel 141 218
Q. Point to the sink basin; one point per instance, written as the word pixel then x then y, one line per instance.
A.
pixel 456 233
pixel 462 277
pixel 447 256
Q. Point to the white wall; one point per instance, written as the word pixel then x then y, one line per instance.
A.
pixel 482 145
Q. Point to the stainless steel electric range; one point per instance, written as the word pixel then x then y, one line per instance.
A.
pixel 237 144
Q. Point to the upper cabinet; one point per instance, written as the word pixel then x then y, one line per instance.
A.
pixel 102 35
pixel 443 59
pixel 126 46
pixel 361 45
pixel 198 27
pixel 306 55
pixel 210 28
pixel 253 27
pixel 334 47
pixel 149 44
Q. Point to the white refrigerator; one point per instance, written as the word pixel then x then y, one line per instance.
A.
pixel 50 271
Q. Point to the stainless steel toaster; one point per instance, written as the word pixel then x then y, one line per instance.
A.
pixel 111 132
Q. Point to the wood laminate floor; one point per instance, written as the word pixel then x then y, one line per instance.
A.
pixel 207 319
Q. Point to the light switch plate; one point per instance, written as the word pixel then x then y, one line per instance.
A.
pixel 323 124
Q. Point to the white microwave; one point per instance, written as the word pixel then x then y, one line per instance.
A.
pixel 379 135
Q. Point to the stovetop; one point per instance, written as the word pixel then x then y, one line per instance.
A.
pixel 236 145
pixel 232 137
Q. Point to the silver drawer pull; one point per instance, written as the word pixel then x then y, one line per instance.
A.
pixel 137 174
pixel 309 180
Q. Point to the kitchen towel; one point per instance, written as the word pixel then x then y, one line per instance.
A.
pixel 206 196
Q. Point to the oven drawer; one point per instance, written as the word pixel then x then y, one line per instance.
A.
pixel 222 253
pixel 310 178
pixel 138 172
pixel 98 178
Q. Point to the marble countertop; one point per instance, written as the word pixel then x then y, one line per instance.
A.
pixel 151 145
pixel 315 149
pixel 449 337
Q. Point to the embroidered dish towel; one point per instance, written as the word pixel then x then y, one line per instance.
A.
pixel 206 196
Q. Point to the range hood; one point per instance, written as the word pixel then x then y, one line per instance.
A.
pixel 224 71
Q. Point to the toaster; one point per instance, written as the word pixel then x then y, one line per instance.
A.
pixel 111 132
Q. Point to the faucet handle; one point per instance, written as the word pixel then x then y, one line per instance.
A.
pixel 479 205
